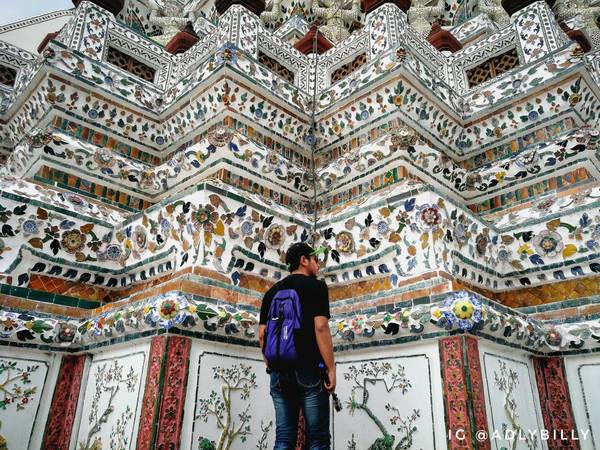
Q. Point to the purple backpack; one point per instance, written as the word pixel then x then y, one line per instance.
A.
pixel 283 321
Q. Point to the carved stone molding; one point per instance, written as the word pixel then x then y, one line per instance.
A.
pixel 555 402
pixel 173 393
pixel 64 403
pixel 460 369
pixel 152 393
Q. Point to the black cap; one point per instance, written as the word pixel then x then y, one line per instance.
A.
pixel 297 250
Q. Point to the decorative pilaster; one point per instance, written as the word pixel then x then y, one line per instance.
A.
pixel 477 390
pixel 64 403
pixel 170 416
pixel 465 415
pixel 150 403
pixel 555 402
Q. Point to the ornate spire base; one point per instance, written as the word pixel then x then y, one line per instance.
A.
pixel 306 43
pixel 182 41
pixel 443 39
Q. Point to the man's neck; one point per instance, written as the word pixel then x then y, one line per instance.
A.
pixel 300 272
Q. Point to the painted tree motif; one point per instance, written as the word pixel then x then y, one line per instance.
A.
pixel 370 373
pixel 109 379
pixel 118 435
pixel 13 386
pixel 240 379
pixel 262 442
pixel 506 381
pixel 13 389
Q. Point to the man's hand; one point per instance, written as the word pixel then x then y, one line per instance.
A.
pixel 326 349
pixel 331 381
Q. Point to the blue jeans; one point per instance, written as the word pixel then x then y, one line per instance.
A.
pixel 300 388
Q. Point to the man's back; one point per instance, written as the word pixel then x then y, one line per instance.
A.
pixel 299 385
pixel 314 301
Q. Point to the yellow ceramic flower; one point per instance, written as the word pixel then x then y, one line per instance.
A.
pixel 437 313
pixel 147 309
pixel 192 308
pixel 525 249
pixel 463 309
pixel 341 326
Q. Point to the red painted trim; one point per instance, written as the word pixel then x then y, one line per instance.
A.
pixel 150 403
pixel 173 393
pixel 477 392
pixel 64 403
pixel 555 402
pixel 456 398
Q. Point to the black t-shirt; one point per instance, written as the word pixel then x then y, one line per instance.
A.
pixel 314 299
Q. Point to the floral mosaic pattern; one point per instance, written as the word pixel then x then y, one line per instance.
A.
pixel 85 65
pixel 154 182
pixel 459 311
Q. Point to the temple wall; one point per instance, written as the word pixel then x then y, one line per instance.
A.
pixel 110 401
pixel 583 373
pixel 216 369
pixel 511 395
pixel 195 392
pixel 27 380
pixel 397 390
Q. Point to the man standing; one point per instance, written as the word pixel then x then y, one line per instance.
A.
pixel 295 339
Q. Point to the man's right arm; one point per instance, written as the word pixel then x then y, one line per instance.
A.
pixel 261 341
